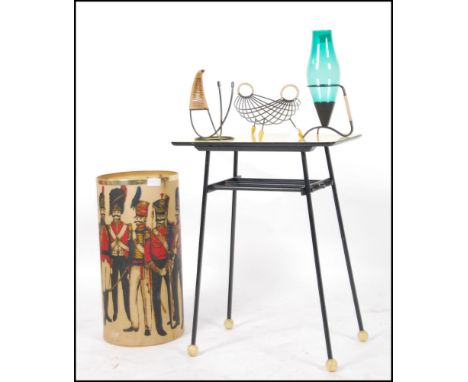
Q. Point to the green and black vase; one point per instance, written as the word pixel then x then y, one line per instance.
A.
pixel 323 69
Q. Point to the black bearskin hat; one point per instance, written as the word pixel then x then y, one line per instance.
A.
pixel 102 203
pixel 161 206
pixel 117 198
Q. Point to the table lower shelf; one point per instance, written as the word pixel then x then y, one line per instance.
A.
pixel 262 184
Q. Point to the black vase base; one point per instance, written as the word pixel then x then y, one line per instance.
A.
pixel 324 111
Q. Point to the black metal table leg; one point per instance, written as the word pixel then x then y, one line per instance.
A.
pixel 362 335
pixel 229 323
pixel 193 349
pixel 331 363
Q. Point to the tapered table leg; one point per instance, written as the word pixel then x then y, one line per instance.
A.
pixel 229 323
pixel 331 364
pixel 362 335
pixel 193 349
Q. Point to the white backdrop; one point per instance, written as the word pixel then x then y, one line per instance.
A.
pixel 135 67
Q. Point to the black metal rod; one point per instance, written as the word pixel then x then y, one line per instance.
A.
pixel 257 184
pixel 316 255
pixel 233 234
pixel 328 86
pixel 253 188
pixel 220 110
pixel 343 239
pixel 200 247
pixel 266 181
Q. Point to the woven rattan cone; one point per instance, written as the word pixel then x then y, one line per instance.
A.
pixel 197 97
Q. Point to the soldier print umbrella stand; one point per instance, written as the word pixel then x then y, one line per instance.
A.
pixel 140 252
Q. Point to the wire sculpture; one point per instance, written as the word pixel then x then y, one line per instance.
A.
pixel 348 111
pixel 198 102
pixel 263 111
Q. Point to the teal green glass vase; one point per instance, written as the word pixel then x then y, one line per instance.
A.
pixel 323 69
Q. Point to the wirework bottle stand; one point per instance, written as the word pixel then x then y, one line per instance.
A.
pixel 305 186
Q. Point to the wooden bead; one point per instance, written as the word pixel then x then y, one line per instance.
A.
pixel 228 324
pixel 192 350
pixel 331 365
pixel 363 336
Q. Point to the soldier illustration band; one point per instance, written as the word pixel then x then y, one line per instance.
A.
pixel 140 258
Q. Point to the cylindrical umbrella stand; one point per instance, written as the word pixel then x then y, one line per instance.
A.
pixel 140 256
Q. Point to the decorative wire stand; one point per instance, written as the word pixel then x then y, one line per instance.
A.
pixel 348 111
pixel 198 103
pixel 263 111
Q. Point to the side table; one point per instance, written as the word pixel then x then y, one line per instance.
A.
pixel 305 186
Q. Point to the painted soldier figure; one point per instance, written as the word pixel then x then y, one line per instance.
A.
pixel 176 266
pixel 139 272
pixel 104 244
pixel 120 234
pixel 161 238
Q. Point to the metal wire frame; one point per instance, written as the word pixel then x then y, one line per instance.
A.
pixel 221 118
pixel 261 110
pixel 348 110
pixel 306 186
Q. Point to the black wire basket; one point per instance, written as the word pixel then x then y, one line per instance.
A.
pixel 262 111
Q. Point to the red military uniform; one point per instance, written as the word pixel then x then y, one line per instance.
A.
pixel 157 258
pixel 104 244
pixel 158 245
pixel 105 262
pixel 119 236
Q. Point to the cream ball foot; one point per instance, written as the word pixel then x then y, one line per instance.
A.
pixel 228 324
pixel 362 336
pixel 331 365
pixel 192 350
